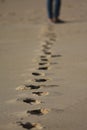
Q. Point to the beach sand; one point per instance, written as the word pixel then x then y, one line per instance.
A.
pixel 43 66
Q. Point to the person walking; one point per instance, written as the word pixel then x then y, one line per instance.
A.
pixel 53 9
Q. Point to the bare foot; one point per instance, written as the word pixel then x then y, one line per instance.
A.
pixel 51 20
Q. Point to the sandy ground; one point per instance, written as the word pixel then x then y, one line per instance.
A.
pixel 45 62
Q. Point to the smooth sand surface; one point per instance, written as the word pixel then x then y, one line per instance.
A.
pixel 43 66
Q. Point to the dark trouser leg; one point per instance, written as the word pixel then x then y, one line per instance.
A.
pixel 50 8
pixel 57 8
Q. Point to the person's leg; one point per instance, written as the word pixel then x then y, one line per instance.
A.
pixel 50 9
pixel 57 9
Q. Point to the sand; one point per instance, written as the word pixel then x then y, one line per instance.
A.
pixel 43 66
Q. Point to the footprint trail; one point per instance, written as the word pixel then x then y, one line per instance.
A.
pixel 44 64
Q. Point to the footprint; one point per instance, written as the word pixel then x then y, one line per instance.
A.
pixel 39 112
pixel 29 125
pixel 46 47
pixel 33 80
pixel 54 56
pixel 26 87
pixel 43 68
pixel 46 52
pixel 43 63
pixel 44 59
pixel 40 93
pixel 31 101
pixel 40 80
pixel 52 39
pixel 32 86
pixel 38 74
pixel 50 34
pixel 42 56
pixel 48 42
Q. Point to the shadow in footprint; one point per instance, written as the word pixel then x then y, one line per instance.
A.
pixel 38 112
pixel 46 47
pixel 36 74
pixel 30 126
pixel 42 56
pixel 43 63
pixel 32 86
pixel 52 39
pixel 40 80
pixel 47 52
pixel 44 59
pixel 40 93
pixel 26 125
pixel 35 112
pixel 43 68
pixel 48 43
pixel 31 101
pixel 54 56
